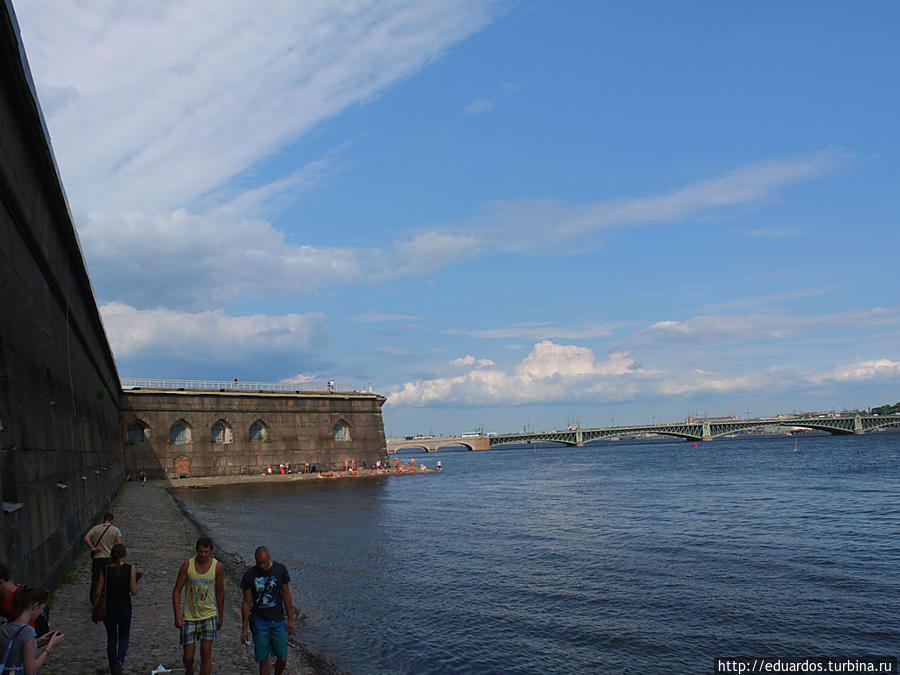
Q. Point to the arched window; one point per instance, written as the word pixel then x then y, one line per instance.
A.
pixel 138 433
pixel 180 433
pixel 221 433
pixel 341 431
pixel 259 432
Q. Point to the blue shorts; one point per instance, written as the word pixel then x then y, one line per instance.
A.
pixel 269 639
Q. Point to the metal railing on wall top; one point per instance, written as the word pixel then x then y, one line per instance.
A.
pixel 239 385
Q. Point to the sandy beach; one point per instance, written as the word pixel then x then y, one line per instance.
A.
pixel 278 477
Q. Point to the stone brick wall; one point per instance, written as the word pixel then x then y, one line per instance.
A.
pixel 60 453
pixel 299 428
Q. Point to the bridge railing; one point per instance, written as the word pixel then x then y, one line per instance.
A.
pixel 239 385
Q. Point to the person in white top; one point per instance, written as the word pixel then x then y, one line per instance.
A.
pixel 100 539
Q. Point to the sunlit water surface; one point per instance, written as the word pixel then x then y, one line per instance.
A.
pixel 615 558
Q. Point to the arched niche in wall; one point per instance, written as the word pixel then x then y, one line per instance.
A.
pixel 220 433
pixel 180 433
pixel 341 431
pixel 138 433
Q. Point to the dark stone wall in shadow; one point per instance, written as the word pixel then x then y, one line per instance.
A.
pixel 60 451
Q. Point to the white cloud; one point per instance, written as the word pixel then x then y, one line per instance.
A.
pixel 864 371
pixel 735 328
pixel 554 372
pixel 551 372
pixel 700 381
pixel 156 104
pixel 299 378
pixel 209 336
pixel 189 261
pixel 529 224
pixel 469 360
pixel 479 105
pixel 211 258
pixel 487 103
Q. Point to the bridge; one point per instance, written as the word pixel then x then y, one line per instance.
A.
pixel 691 431
pixel 431 444
pixel 705 430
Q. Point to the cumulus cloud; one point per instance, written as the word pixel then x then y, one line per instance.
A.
pixel 209 336
pixel 160 103
pixel 554 372
pixel 551 372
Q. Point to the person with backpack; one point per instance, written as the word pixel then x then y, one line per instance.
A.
pixel 101 538
pixel 116 585
pixel 18 641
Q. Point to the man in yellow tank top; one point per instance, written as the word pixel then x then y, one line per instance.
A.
pixel 203 582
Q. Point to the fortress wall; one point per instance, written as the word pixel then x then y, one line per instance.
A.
pixel 300 428
pixel 60 452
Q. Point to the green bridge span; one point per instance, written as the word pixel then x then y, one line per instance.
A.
pixel 703 431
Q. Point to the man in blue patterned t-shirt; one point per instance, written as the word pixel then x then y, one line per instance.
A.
pixel 266 598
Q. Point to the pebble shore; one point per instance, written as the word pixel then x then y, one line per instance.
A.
pixel 159 538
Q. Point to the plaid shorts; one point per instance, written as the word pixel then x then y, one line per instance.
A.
pixel 194 631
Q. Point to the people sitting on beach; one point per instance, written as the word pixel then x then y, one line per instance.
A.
pixel 18 640
pixel 119 581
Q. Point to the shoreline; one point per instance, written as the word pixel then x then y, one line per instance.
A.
pixel 242 479
pixel 316 662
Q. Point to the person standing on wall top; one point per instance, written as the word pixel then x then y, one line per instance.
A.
pixel 331 386
pixel 101 538
pixel 266 598
pixel 203 582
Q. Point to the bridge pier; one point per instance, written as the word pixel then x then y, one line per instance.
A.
pixel 706 432
pixel 579 439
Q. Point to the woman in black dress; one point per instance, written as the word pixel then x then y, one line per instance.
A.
pixel 120 583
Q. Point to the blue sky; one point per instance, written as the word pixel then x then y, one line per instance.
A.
pixel 499 214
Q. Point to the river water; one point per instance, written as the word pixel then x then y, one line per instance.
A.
pixel 653 557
